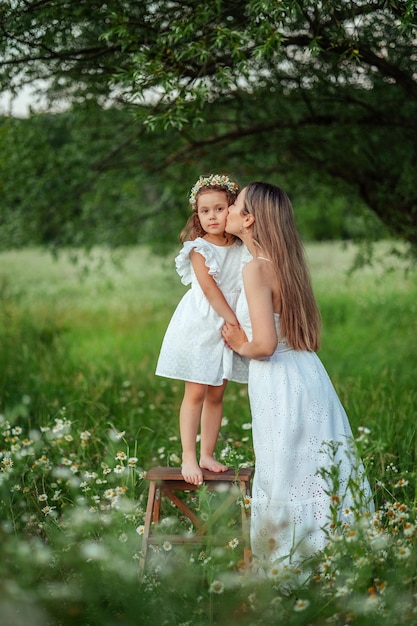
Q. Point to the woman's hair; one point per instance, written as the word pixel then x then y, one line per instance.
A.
pixel 193 228
pixel 274 230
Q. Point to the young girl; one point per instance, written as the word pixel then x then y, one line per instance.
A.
pixel 193 349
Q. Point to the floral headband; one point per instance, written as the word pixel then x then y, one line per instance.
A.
pixel 215 180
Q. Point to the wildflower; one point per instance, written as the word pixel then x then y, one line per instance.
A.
pixel 42 497
pixel 216 587
pixel 140 529
pixel 351 535
pixel 119 469
pixel 85 435
pixel 123 537
pixel 380 585
pixel 90 475
pixel 246 502
pixel 401 483
pixel 403 552
pixel 301 605
pixel 120 455
pixel 7 463
pixel 132 461
pixel 174 458
pixel 247 426
pixel 17 430
pixel 342 591
pixel 233 543
pixel 409 529
pixel 58 427
pixel 274 572
pixel 167 546
pixel 372 603
pixel 48 510
pixel 225 421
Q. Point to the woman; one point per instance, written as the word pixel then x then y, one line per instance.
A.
pixel 295 409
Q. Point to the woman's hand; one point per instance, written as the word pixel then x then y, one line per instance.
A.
pixel 234 336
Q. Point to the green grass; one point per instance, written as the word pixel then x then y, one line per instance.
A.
pixel 78 351
pixel 73 341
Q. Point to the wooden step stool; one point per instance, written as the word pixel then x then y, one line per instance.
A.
pixel 167 480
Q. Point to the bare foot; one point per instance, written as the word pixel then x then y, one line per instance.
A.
pixel 210 463
pixel 191 472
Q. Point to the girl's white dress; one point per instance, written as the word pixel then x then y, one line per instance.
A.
pixel 295 409
pixel 193 348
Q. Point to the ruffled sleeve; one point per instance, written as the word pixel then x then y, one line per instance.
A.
pixel 183 262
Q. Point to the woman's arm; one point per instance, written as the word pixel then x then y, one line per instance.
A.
pixel 257 283
pixel 210 288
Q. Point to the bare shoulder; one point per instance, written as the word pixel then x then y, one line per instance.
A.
pixel 257 270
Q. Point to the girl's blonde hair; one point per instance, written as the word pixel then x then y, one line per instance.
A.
pixel 193 228
pixel 274 230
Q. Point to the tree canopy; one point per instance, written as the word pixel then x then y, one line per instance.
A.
pixel 284 90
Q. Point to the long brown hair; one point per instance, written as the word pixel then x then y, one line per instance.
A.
pixel 274 230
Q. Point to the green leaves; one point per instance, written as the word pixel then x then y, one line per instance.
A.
pixel 267 87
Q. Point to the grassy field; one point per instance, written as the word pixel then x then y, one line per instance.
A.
pixel 83 416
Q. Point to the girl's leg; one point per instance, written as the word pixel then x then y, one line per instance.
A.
pixel 211 419
pixel 190 414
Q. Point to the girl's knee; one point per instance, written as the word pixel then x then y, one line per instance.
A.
pixel 215 394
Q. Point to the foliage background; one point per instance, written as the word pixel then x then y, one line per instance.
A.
pixel 317 97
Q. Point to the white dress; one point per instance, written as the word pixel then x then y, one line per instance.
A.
pixel 193 348
pixel 295 409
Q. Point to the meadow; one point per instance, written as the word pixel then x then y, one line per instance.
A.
pixel 83 417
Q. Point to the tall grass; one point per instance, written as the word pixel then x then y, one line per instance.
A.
pixel 83 416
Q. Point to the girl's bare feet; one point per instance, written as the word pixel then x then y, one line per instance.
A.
pixel 210 463
pixel 191 472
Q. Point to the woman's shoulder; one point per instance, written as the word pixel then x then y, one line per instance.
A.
pixel 259 270
pixel 253 266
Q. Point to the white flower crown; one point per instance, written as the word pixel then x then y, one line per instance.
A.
pixel 217 180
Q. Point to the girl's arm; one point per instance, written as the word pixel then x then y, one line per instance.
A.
pixel 258 292
pixel 210 288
